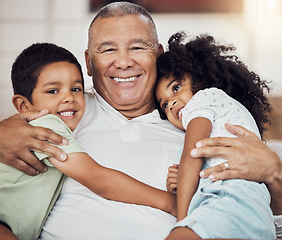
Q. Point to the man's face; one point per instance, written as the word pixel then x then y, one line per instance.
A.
pixel 122 62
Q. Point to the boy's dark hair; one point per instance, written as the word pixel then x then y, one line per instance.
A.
pixel 210 65
pixel 26 68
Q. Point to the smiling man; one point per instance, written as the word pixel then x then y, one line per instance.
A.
pixel 123 66
pixel 121 129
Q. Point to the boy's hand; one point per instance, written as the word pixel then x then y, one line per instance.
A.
pixel 171 179
pixel 18 138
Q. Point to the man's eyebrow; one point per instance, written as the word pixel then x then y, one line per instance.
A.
pixel 138 41
pixel 105 44
pixel 143 42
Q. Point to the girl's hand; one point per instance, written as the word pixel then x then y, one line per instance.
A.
pixel 171 179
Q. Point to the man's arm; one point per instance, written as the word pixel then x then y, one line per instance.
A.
pixel 248 158
pixel 18 138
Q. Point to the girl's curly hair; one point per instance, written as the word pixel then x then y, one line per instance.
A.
pixel 211 65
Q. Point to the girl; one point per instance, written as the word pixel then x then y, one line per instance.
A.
pixel 200 88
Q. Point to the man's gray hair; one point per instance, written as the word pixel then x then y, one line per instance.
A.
pixel 119 9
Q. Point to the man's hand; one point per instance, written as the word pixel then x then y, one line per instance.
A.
pixel 18 138
pixel 248 158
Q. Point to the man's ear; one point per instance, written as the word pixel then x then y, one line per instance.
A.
pixel 160 49
pixel 21 103
pixel 88 62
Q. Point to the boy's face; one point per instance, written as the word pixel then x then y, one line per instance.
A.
pixel 172 96
pixel 59 89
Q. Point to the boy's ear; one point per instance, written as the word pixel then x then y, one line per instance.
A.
pixel 21 103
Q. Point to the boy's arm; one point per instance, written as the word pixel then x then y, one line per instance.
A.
pixel 114 185
pixel 6 233
pixel 189 168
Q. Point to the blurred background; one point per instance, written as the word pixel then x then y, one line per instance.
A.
pixel 253 26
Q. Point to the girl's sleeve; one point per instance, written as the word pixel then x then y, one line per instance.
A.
pixel 207 103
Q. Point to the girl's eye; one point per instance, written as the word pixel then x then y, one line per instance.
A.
pixel 176 87
pixel 76 89
pixel 52 91
pixel 164 106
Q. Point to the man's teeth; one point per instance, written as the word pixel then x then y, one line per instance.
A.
pixel 67 114
pixel 131 79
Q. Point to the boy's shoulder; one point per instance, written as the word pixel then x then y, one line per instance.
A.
pixel 52 122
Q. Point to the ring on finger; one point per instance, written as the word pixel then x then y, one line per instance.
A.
pixel 226 166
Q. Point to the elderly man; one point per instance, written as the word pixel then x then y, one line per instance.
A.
pixel 121 129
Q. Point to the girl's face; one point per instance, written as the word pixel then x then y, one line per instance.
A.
pixel 172 96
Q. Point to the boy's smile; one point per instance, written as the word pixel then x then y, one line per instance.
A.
pixel 59 89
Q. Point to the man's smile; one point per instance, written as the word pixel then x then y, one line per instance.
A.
pixel 120 80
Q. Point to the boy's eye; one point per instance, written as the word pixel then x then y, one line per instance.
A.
pixel 76 89
pixel 176 87
pixel 52 91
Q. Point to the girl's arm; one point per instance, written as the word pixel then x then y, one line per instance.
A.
pixel 114 185
pixel 189 168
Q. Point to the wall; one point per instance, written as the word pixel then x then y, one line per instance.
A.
pixel 256 33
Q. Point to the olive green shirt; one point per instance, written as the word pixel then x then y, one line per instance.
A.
pixel 26 201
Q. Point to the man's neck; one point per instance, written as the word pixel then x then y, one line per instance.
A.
pixel 133 113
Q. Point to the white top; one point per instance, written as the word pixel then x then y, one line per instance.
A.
pixel 215 105
pixel 143 148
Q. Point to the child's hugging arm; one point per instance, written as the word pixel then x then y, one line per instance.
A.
pixel 189 167
pixel 105 182
pixel 112 184
pixel 6 233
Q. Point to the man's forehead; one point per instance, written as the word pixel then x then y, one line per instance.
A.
pixel 121 23
pixel 117 30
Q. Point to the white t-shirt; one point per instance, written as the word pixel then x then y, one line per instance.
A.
pixel 215 105
pixel 143 148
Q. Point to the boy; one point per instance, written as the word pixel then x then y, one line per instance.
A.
pixel 46 76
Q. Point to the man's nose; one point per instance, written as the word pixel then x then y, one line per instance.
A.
pixel 123 59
